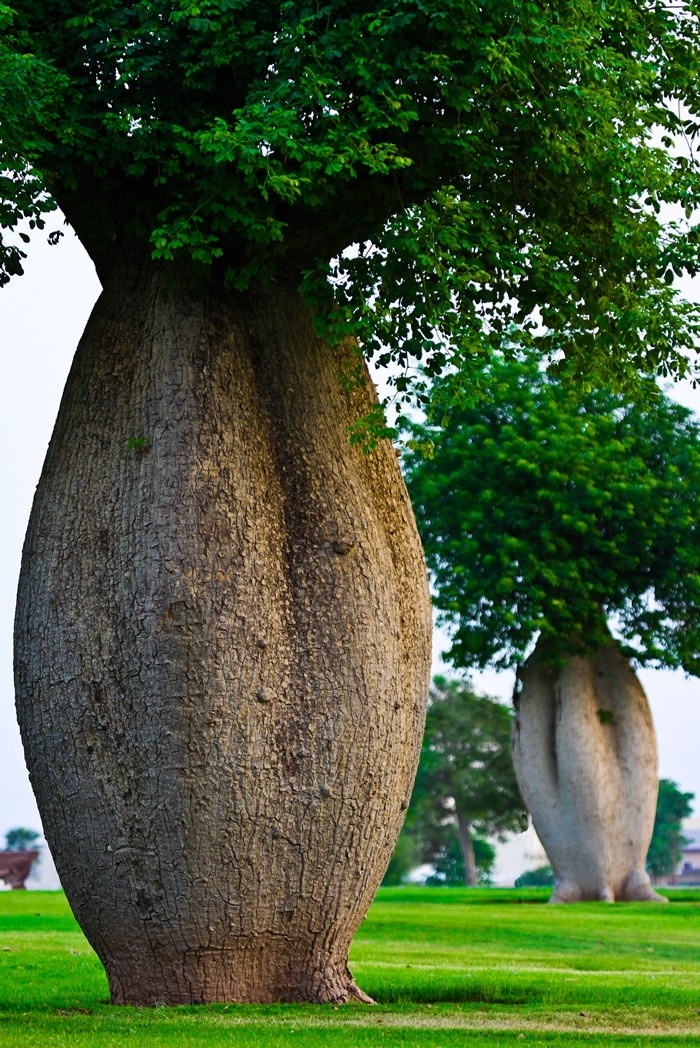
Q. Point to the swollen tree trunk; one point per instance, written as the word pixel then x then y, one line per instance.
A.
pixel 584 749
pixel 222 646
pixel 466 847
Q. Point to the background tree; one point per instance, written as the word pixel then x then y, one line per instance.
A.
pixel 465 787
pixel 21 839
pixel 445 856
pixel 547 513
pixel 222 628
pixel 667 840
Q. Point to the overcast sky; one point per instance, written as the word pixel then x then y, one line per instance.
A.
pixel 41 318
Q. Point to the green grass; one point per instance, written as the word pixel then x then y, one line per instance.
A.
pixel 448 967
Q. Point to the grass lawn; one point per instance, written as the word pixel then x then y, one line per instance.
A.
pixel 447 966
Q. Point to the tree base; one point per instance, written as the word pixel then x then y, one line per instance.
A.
pixel 242 976
pixel 637 888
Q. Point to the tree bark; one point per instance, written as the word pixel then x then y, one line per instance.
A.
pixel 222 646
pixel 466 847
pixel 584 749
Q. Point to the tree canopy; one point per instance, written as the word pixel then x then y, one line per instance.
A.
pixel 493 164
pixel 548 512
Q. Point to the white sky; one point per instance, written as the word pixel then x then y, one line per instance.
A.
pixel 42 316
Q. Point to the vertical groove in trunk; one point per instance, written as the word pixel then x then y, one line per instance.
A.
pixel 222 647
pixel 584 749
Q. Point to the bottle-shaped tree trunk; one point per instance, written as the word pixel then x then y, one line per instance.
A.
pixel 222 646
pixel 584 749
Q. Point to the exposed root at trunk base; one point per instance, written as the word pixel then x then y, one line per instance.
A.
pixel 638 889
pixel 356 994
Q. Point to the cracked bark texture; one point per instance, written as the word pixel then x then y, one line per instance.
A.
pixel 584 749
pixel 222 646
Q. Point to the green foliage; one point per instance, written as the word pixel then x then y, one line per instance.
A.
pixel 492 165
pixel 667 839
pixel 465 787
pixel 543 876
pixel 546 511
pixel 21 839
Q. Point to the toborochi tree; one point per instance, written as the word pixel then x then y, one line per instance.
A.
pixel 222 629
pixel 551 516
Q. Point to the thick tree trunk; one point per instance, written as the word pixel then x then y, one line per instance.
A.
pixel 584 749
pixel 222 647
pixel 466 847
